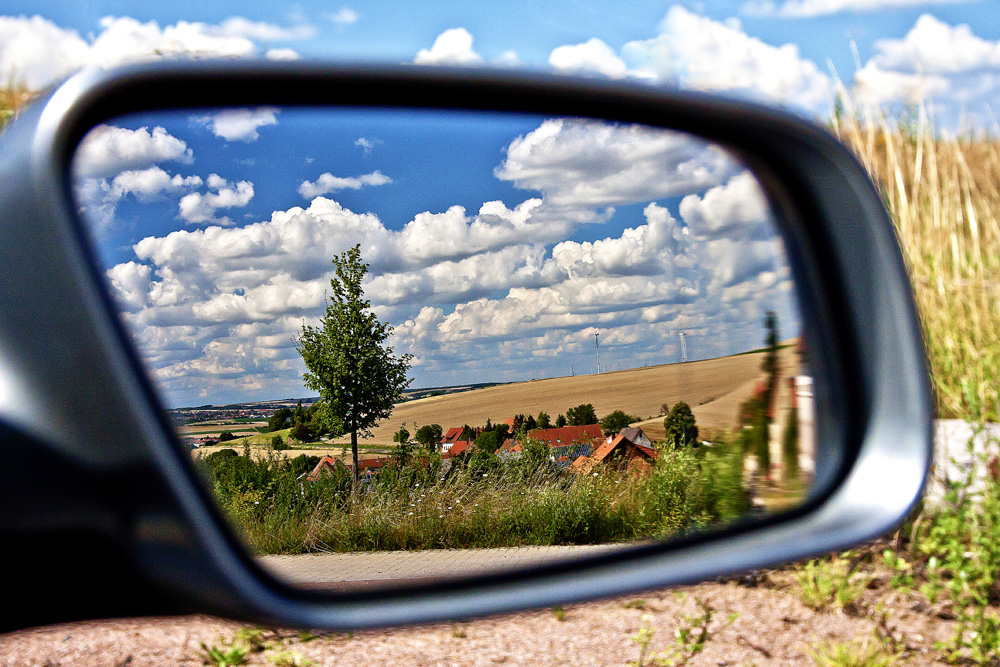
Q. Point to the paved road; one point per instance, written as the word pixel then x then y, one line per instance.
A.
pixel 351 571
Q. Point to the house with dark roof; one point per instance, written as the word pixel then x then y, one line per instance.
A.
pixel 635 434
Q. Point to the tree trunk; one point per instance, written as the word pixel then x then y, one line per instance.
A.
pixel 354 453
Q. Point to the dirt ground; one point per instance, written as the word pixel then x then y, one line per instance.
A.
pixel 758 620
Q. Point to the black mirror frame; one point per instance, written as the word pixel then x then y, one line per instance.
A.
pixel 92 457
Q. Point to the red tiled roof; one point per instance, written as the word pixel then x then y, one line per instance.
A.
pixel 510 445
pixel 568 435
pixel 326 461
pixel 452 434
pixel 460 447
pixel 605 450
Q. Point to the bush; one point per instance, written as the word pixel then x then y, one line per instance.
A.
pixel 278 443
pixel 300 432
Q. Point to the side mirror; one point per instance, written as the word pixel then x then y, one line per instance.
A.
pixel 688 228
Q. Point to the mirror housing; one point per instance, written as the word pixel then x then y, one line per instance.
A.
pixel 93 463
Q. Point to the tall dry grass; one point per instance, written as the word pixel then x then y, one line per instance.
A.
pixel 943 194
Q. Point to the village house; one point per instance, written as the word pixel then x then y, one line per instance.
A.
pixel 620 454
pixel 368 467
pixel 565 443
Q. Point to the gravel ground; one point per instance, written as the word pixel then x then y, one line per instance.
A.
pixel 758 621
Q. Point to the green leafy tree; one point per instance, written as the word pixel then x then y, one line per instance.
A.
pixel 402 436
pixel 226 436
pixel 300 431
pixel 543 420
pixel 279 420
pixel 560 421
pixel 429 436
pixel 616 421
pixel 278 443
pixel 581 415
pixel 347 360
pixel 488 441
pixel 680 425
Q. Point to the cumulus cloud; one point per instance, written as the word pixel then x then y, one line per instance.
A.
pixel 736 208
pixel 200 208
pixel 807 8
pixel 148 184
pixel 240 124
pixel 328 183
pixel 452 47
pixel 694 51
pixel 108 150
pixel 217 306
pixel 583 163
pixel 955 71
pixel 590 56
pixel 264 32
pixel 37 52
pixel 282 54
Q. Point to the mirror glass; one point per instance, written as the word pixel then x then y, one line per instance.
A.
pixel 548 336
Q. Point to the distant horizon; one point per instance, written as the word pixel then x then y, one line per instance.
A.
pixel 477 385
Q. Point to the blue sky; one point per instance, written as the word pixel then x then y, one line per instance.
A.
pixel 499 245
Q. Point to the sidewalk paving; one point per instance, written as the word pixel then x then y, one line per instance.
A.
pixel 351 571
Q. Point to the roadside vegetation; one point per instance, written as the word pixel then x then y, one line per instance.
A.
pixel 479 502
pixel 943 195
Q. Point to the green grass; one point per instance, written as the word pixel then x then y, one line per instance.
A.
pixel 482 504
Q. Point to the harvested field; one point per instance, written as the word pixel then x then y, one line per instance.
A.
pixel 714 389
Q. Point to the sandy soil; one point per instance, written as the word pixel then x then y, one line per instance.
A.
pixel 770 626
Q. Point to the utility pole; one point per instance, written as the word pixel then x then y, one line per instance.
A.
pixel 597 349
pixel 684 347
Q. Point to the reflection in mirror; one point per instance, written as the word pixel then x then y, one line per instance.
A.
pixel 388 333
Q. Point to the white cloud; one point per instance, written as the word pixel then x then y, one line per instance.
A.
pixel 147 184
pixel 37 52
pixel 583 163
pixel 130 282
pixel 199 208
pixel 240 124
pixel 507 59
pixel 282 54
pixel 327 183
pixel 366 144
pixel 738 209
pixel 807 8
pixel 344 16
pixel 264 32
pixel 452 47
pixel 125 39
pixel 107 150
pixel 950 68
pixel 591 56
pixel 694 51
